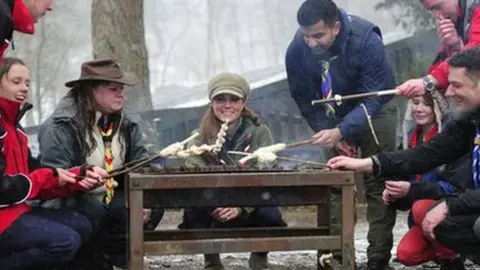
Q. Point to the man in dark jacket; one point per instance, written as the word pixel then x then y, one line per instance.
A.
pixel 334 53
pixel 451 220
pixel 19 15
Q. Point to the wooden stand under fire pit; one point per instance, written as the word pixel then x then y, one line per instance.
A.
pixel 181 189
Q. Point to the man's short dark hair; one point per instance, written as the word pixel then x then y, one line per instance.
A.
pixel 312 11
pixel 468 59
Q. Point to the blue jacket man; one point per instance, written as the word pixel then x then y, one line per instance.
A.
pixel 358 64
pixel 334 53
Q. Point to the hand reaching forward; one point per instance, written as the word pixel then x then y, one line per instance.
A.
pixel 348 163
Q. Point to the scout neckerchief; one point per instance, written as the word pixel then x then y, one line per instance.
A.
pixel 476 156
pixel 415 138
pixel 326 88
pixel 106 130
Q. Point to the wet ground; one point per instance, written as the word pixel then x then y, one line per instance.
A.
pixel 301 260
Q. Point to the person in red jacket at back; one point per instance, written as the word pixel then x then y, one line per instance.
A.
pixel 21 16
pixel 34 238
pixel 458 28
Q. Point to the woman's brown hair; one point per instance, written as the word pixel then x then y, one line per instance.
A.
pixel 82 94
pixel 8 63
pixel 428 98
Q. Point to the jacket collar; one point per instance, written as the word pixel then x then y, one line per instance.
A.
pixel 12 111
pixel 345 31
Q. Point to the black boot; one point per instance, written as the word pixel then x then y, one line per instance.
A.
pixel 212 262
pixel 258 261
pixel 453 264
pixel 378 265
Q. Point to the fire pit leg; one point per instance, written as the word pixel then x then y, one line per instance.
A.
pixel 135 227
pixel 348 225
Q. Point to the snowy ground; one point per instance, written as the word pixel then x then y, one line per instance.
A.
pixel 301 260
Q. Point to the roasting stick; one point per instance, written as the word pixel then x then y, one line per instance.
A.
pixel 338 98
pixel 171 149
pixel 285 158
pixel 267 153
pixel 174 147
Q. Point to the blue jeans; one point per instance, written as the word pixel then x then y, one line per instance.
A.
pixel 200 218
pixel 43 239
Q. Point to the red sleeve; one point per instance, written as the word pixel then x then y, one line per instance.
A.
pixel 55 191
pixel 441 71
pixel 40 180
pixel 3 48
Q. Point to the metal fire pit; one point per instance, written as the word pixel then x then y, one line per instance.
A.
pixel 233 186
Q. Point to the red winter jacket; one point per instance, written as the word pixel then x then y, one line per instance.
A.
pixel 440 69
pixel 21 176
pixel 13 16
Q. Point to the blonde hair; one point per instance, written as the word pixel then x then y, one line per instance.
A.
pixel 429 101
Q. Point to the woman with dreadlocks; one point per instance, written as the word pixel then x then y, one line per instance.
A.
pixel 228 93
pixel 89 126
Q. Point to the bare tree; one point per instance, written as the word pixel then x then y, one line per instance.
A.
pixel 118 32
pixel 209 42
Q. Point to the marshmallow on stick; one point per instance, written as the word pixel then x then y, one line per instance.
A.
pixel 174 148
pixel 265 154
pixel 215 148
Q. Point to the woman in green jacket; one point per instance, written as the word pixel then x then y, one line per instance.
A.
pixel 228 93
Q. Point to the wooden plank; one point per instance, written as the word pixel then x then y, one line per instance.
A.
pixel 191 234
pixel 241 180
pixel 135 229
pixel 348 225
pixel 259 196
pixel 242 245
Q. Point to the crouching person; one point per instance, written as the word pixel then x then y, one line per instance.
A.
pixel 89 126
pixel 228 94
pixel 34 238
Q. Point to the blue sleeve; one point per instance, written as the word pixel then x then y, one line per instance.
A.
pixel 375 74
pixel 302 92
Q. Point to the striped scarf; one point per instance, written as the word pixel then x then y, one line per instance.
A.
pixel 326 88
pixel 107 135
pixel 476 158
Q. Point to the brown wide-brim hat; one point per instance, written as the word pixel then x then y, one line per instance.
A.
pixel 104 70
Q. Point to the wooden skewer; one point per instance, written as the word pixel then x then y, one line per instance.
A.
pixel 286 158
pixel 300 143
pixel 339 99
pixel 140 162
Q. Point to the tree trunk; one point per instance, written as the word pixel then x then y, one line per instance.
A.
pixel 118 31
pixel 209 42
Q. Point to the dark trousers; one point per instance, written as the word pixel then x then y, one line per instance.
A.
pixel 200 218
pixel 109 222
pixel 43 239
pixel 457 233
pixel 108 228
pixel 380 217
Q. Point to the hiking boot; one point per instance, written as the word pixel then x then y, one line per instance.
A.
pixel 453 264
pixel 212 262
pixel 378 265
pixel 258 261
